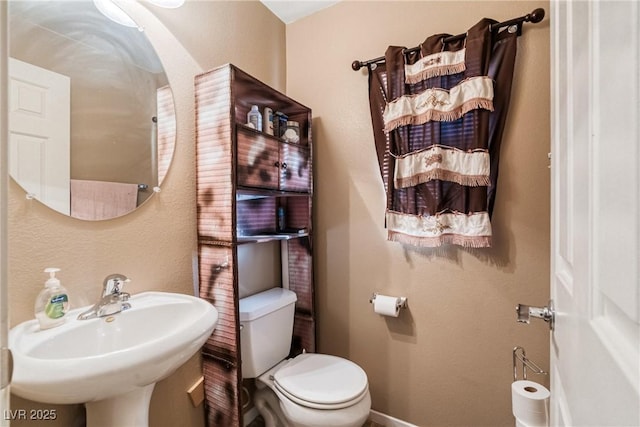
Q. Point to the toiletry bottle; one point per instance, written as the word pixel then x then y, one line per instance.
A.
pixel 279 123
pixel 267 121
pixel 254 118
pixel 282 219
pixel 52 303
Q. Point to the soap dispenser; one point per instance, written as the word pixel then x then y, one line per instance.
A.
pixel 52 303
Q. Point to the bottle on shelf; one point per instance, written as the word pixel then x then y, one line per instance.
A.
pixel 279 123
pixel 254 118
pixel 282 219
pixel 267 122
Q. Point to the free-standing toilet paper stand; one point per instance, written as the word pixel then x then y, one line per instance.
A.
pixel 520 354
pixel 529 399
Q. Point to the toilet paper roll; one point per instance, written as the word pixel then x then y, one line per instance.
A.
pixel 386 305
pixel 530 403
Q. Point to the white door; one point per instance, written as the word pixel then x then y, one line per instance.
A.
pixel 5 368
pixel 595 347
pixel 39 133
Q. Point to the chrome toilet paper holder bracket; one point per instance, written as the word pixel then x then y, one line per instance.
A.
pixel 524 313
pixel 402 301
pixel 520 354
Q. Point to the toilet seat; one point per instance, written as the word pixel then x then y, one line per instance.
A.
pixel 321 381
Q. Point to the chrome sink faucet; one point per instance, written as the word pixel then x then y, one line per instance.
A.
pixel 113 300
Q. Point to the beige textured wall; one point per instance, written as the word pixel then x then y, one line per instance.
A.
pixel 447 360
pixel 155 245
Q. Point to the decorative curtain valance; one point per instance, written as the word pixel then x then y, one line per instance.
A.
pixel 438 114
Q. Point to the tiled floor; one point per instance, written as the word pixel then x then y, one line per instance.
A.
pixel 259 422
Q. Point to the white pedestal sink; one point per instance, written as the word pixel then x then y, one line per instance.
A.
pixel 112 363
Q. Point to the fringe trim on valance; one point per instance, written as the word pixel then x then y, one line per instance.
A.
pixel 470 168
pixel 469 230
pixel 439 104
pixel 434 65
pixel 443 175
pixel 443 70
pixel 434 242
pixel 440 116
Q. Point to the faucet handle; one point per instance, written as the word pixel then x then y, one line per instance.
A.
pixel 124 299
pixel 114 283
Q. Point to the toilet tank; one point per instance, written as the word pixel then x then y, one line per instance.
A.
pixel 266 329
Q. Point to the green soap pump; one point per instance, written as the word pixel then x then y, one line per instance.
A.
pixel 52 303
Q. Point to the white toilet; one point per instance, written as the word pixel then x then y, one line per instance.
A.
pixel 309 390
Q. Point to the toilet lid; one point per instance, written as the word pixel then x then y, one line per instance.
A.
pixel 320 379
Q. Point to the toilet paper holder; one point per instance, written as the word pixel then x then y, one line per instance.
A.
pixel 402 301
pixel 520 354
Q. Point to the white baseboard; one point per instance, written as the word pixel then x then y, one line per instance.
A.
pixel 375 416
pixel 249 416
pixel 388 421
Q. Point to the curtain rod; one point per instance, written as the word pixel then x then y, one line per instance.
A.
pixel 536 16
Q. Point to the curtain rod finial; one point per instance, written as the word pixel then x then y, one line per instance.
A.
pixel 356 65
pixel 536 16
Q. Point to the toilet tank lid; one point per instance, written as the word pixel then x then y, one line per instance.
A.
pixel 257 305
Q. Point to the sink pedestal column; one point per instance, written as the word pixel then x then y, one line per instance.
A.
pixel 129 409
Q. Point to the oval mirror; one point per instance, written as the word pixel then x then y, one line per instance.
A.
pixel 92 121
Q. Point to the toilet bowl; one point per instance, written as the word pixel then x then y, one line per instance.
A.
pixel 314 390
pixel 309 390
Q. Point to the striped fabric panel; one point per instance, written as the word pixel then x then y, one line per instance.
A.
pixel 304 336
pixel 217 287
pixel 221 385
pixel 256 216
pixel 298 209
pixel 214 156
pixel 296 175
pixel 258 160
pixel 301 273
pixel 301 282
